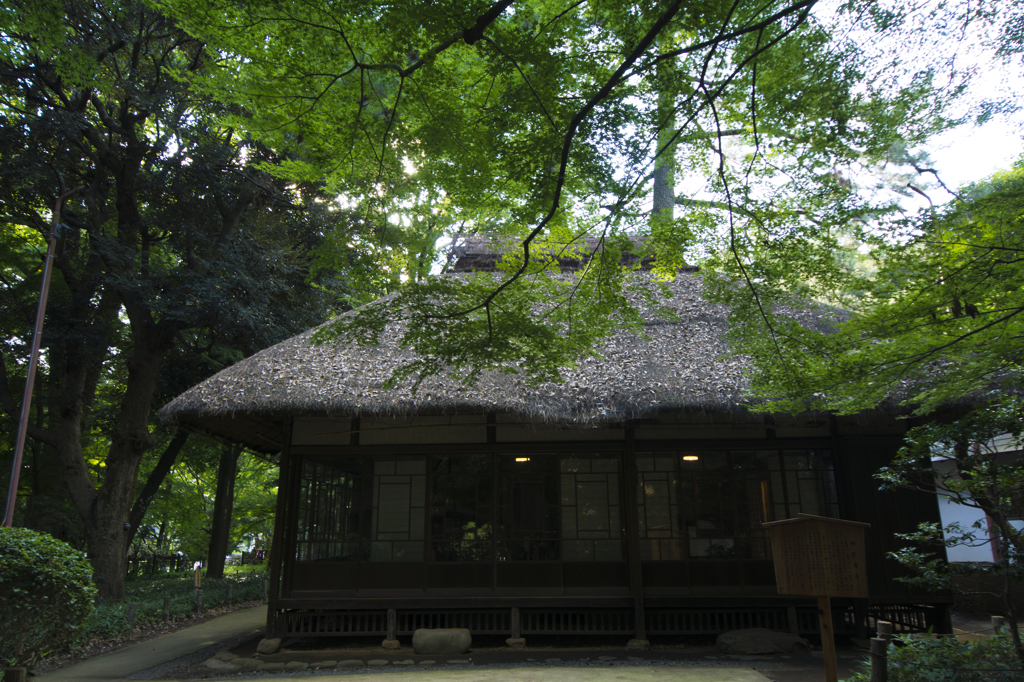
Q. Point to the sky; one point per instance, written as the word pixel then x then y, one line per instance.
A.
pixel 973 153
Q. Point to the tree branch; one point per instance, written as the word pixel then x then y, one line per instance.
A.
pixel 153 483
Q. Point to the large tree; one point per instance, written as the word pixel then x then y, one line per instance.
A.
pixel 546 122
pixel 174 246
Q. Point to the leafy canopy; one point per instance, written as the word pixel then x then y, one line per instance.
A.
pixel 541 121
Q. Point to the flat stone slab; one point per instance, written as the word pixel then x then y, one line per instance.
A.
pixel 351 663
pixel 226 655
pixel 377 662
pixel 325 664
pixel 266 666
pixel 219 665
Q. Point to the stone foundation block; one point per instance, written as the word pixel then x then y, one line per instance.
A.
pixel 760 641
pixel 441 641
pixel 269 646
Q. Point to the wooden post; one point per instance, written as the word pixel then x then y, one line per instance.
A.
pixel 884 628
pixel 516 627
pixel 199 602
pixel 277 553
pixel 879 650
pixel 229 594
pixel 828 639
pixel 392 623
pixel 167 609
pixel 131 616
pixel 794 624
pixel 636 579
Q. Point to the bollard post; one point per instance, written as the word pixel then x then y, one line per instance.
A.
pixel 884 628
pixel 167 609
pixel 199 602
pixel 265 583
pixel 131 617
pixel 997 623
pixel 879 664
pixel 16 674
pixel 392 624
pixel 229 594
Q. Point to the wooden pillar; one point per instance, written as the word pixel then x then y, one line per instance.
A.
pixel 276 547
pixel 636 578
pixel 392 624
pixel 492 438
pixel 828 639
pixel 517 629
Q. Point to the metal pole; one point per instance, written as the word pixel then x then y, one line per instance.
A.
pixel 30 380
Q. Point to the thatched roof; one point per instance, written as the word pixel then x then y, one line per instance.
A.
pixel 684 364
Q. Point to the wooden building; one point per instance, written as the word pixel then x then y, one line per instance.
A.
pixel 627 500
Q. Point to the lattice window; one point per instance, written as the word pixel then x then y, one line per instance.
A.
pixel 695 505
pixel 592 524
pixel 461 515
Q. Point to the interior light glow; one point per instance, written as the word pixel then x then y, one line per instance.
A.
pixel 690 458
pixel 522 459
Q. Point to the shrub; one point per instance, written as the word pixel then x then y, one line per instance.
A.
pixel 925 658
pixel 46 590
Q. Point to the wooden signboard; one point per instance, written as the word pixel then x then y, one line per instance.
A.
pixel 820 557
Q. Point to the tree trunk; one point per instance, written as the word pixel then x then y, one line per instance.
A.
pixel 105 510
pixel 665 164
pixel 220 531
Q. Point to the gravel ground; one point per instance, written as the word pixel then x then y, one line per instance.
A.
pixel 365 656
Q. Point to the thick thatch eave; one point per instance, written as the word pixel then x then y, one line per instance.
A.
pixel 683 365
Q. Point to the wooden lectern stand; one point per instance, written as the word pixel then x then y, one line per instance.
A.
pixel 820 557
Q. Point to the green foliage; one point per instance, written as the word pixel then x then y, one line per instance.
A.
pixel 926 658
pixel 45 592
pixel 937 319
pixel 179 517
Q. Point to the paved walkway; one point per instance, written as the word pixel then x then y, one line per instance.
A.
pixel 133 661
pixel 138 657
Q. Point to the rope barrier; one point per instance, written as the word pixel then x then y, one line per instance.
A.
pixel 967 670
